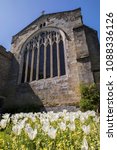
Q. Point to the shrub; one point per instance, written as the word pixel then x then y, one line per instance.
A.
pixel 90 97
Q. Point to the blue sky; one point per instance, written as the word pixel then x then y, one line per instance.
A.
pixel 17 14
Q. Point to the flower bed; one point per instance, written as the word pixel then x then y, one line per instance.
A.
pixel 50 131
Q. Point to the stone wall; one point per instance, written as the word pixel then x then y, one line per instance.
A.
pixel 88 54
pixel 5 63
pixel 94 52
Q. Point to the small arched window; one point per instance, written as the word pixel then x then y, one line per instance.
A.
pixel 43 57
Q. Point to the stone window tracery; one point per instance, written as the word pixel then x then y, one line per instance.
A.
pixel 43 57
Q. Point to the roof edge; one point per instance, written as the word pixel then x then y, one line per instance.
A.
pixel 85 27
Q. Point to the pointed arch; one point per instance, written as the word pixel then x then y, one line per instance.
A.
pixel 45 55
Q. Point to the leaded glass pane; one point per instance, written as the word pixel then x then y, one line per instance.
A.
pixel 29 65
pixel 62 58
pixel 55 71
pixel 48 61
pixel 24 67
pixel 41 62
pixel 35 64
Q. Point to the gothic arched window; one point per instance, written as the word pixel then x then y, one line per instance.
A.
pixel 43 57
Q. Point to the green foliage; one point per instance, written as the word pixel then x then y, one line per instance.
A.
pixel 90 97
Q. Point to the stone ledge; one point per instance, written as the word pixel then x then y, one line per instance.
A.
pixel 61 108
pixel 5 53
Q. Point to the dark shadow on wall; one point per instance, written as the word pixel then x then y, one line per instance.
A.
pixel 20 98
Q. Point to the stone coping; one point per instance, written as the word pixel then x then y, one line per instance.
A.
pixel 5 53
pixel 61 108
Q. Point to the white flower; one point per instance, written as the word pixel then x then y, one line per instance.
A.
pixel 15 118
pixel 6 116
pixel 82 119
pixel 64 111
pixel 71 126
pixel 72 117
pixel 54 117
pixel 66 117
pixel 19 125
pixel 86 129
pixel 62 126
pixel 77 114
pixel 32 134
pixel 92 113
pixel 44 120
pixel 28 128
pixel 52 133
pixel 3 123
pixel 45 127
pixel 86 115
pixel 17 129
pixel 96 119
pixel 22 123
pixel 33 118
pixel 84 145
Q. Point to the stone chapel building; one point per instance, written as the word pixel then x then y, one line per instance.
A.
pixel 49 59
